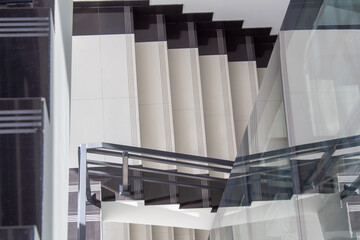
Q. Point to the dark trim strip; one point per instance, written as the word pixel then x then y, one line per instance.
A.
pixel 153 180
pixel 117 147
pixel 20 19
pixel 153 170
pixel 341 27
pixel 24 35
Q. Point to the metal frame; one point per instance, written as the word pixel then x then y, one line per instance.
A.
pixel 239 169
pixel 128 152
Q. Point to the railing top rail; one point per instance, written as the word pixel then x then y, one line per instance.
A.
pixel 118 149
pixel 299 150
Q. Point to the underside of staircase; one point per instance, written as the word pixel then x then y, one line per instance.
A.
pixel 157 78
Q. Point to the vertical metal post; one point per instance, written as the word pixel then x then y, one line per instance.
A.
pixel 172 190
pixel 244 181
pixel 205 194
pixel 125 189
pixel 81 227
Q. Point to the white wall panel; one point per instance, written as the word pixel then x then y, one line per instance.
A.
pixel 162 233
pixel 116 231
pixel 56 177
pixel 104 92
pixel 261 73
pixel 86 71
pixel 140 232
pixel 184 234
pixel 156 121
pixel 202 234
pixel 189 125
pixel 218 112
pixel 84 130
pixel 244 90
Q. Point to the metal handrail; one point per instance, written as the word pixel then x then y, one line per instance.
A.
pixel 143 154
pixel 321 157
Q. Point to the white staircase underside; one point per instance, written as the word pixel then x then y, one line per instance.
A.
pixel 160 215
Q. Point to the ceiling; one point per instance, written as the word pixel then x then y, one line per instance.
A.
pixel 255 13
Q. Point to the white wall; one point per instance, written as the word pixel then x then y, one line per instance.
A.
pixel 261 73
pixel 104 99
pixel 218 110
pixel 187 105
pixel 55 214
pixel 244 90
pixel 155 108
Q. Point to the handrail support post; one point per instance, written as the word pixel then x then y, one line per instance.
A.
pixel 124 189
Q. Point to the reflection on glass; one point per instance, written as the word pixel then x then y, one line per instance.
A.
pixel 308 191
pixel 339 12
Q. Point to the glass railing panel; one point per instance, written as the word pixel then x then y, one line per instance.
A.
pixel 266 129
pixel 322 14
pixel 339 14
pixel 308 191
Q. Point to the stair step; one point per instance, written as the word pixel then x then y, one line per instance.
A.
pixel 215 83
pixel 220 25
pixel 189 17
pixel 158 9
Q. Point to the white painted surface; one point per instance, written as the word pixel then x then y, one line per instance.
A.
pixel 156 121
pixel 139 232
pixel 186 95
pixel 104 92
pixel 56 174
pixel 321 81
pixel 218 111
pixel 202 234
pixel 261 74
pixel 115 231
pixel 161 215
pixel 162 233
pixel 184 234
pixel 244 90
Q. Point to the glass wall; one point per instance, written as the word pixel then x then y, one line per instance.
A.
pixel 310 96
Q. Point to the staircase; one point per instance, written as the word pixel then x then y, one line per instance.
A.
pixel 156 78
